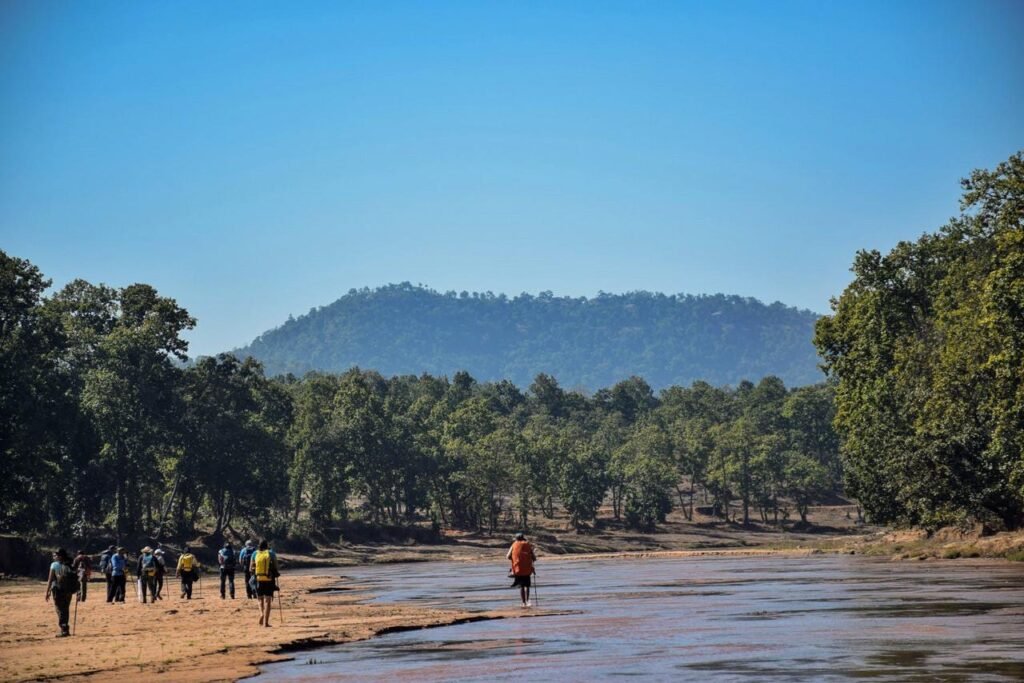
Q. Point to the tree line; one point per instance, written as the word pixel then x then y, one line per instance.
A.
pixel 105 426
pixel 926 347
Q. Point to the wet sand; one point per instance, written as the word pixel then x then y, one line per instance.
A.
pixel 206 639
pixel 732 617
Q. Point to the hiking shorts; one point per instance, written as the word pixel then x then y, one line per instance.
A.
pixel 265 588
pixel 523 581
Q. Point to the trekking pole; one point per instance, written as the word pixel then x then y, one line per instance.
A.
pixel 200 584
pixel 536 592
pixel 280 609
pixel 74 623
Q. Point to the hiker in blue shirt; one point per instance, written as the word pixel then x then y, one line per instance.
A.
pixel 118 575
pixel 105 570
pixel 227 560
pixel 244 559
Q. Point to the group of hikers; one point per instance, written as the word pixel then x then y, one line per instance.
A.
pixel 69 578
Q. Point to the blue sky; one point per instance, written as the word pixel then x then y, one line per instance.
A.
pixel 256 159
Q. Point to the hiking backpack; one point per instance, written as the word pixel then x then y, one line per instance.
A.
pixel 228 554
pixel 149 564
pixel 66 580
pixel 264 566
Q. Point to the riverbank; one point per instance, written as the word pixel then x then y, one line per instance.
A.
pixel 946 544
pixel 206 639
pixel 213 640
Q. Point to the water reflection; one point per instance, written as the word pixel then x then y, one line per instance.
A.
pixel 822 618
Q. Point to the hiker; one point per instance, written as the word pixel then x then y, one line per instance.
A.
pixel 227 559
pixel 145 568
pixel 161 569
pixel 105 570
pixel 118 575
pixel 264 566
pixel 188 571
pixel 522 556
pixel 244 559
pixel 62 584
pixel 83 567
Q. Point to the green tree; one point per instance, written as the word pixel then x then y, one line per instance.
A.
pixel 583 483
pixel 29 393
pixel 318 475
pixel 924 346
pixel 650 476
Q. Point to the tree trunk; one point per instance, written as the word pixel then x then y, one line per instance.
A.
pixel 746 491
pixel 167 506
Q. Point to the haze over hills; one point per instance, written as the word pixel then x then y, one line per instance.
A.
pixel 586 343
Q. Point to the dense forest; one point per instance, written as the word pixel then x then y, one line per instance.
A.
pixel 587 343
pixel 104 429
pixel 927 348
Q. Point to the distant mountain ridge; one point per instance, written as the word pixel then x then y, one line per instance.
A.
pixel 586 343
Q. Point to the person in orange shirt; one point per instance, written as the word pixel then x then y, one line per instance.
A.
pixel 522 556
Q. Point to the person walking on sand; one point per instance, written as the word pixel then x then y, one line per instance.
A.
pixel 145 568
pixel 522 556
pixel 227 560
pixel 161 570
pixel 118 574
pixel 245 559
pixel 187 570
pixel 62 584
pixel 264 566
pixel 105 570
pixel 83 567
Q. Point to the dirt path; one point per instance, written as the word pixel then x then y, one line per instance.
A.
pixel 198 640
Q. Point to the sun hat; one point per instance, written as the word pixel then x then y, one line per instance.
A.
pixel 520 536
pixel 147 549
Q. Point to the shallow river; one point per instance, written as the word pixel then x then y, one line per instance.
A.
pixel 819 618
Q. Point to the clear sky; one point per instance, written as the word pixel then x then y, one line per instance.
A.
pixel 255 159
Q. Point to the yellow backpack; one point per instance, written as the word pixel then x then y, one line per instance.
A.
pixel 263 566
pixel 186 562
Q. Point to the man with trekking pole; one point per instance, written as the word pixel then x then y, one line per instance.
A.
pixel 522 556
pixel 186 571
pixel 264 566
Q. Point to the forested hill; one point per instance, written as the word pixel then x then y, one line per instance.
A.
pixel 583 342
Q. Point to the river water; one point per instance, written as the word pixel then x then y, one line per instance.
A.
pixel 817 618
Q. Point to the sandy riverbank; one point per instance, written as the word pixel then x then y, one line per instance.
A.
pixel 206 639
pixel 210 639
